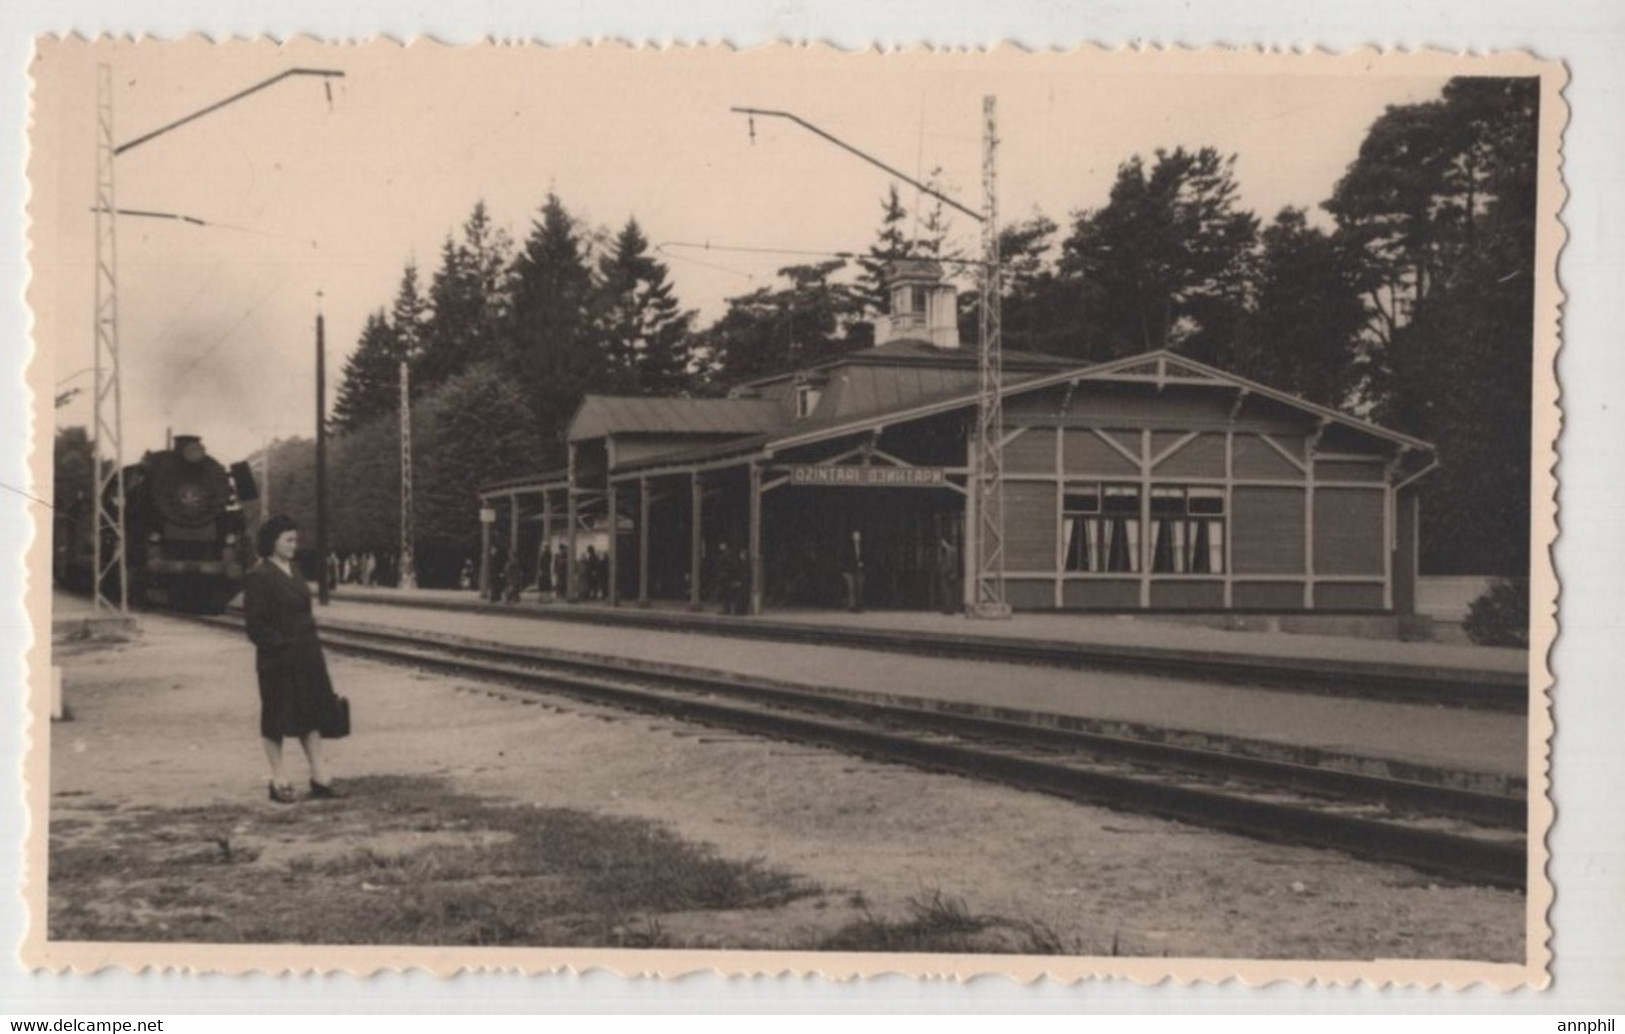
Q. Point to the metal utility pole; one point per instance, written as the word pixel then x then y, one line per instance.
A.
pixel 108 552
pixel 107 537
pixel 321 454
pixel 987 474
pixel 408 565
pixel 988 601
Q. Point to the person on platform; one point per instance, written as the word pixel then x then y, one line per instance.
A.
pixel 512 575
pixel 295 691
pixel 852 571
pixel 589 566
pixel 561 573
pixel 740 584
pixel 491 587
pixel 465 577
pixel 733 580
pixel 544 571
pixel 945 574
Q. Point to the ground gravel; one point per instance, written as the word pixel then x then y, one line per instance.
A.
pixel 169 720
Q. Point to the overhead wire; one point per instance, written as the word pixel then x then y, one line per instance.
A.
pixel 27 495
pixel 222 339
pixel 660 249
pixel 805 252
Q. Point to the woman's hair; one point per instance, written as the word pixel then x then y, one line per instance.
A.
pixel 272 530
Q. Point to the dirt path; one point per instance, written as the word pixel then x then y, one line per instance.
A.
pixel 168 721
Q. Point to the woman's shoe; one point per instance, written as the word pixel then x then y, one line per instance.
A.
pixel 282 793
pixel 325 791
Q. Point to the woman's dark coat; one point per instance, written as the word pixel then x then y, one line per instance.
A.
pixel 295 690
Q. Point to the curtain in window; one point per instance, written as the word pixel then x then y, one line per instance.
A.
pixel 1084 549
pixel 1122 549
pixel 1201 548
pixel 1199 557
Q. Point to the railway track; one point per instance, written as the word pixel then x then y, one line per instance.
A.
pixel 1458 833
pixel 1367 679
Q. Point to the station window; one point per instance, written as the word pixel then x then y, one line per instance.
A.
pixel 1187 530
pixel 1102 531
pixel 1100 524
pixel 806 400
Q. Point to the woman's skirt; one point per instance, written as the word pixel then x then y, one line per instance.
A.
pixel 295 693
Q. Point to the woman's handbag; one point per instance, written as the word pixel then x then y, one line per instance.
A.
pixel 335 724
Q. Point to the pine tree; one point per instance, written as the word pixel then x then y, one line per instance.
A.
pixel 891 243
pixel 1304 335
pixel 1440 208
pixel 931 237
pixel 643 333
pixel 407 316
pixel 371 381
pixel 1168 260
pixel 1041 311
pixel 469 299
pixel 812 318
pixel 551 341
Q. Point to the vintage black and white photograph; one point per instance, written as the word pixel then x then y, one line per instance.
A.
pixel 980 512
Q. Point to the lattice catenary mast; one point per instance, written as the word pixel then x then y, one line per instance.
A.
pixel 987 448
pixel 988 599
pixel 109 557
pixel 408 567
pixel 107 534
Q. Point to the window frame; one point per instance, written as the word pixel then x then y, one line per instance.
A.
pixel 807 397
pixel 1128 539
pixel 1112 536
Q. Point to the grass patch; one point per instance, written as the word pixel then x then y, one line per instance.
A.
pixel 938 924
pixel 402 861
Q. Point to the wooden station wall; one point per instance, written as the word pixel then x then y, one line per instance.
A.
pixel 1302 531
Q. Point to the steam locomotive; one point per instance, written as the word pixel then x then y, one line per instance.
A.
pixel 184 531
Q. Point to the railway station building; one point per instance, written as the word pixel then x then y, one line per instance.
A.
pixel 1148 483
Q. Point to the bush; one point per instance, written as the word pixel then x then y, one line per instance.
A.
pixel 1500 617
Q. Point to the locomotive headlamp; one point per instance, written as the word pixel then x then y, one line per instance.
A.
pixel 192 452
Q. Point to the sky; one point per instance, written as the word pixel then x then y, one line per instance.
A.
pixel 315 198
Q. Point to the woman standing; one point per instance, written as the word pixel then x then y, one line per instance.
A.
pixel 295 691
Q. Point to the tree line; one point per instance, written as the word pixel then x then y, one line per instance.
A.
pixel 1408 300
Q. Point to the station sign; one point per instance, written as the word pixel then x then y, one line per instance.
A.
pixel 488 515
pixel 813 475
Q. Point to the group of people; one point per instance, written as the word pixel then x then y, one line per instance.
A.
pixel 508 577
pixel 362 569
pixel 733 579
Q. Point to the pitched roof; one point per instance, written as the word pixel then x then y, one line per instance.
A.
pixel 601 415
pixel 861 388
pixel 913 351
pixel 1149 365
pixel 900 269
